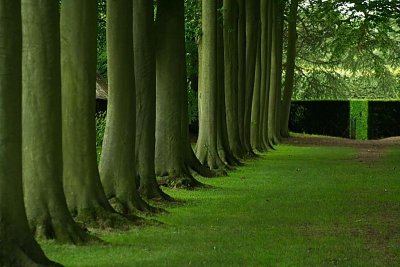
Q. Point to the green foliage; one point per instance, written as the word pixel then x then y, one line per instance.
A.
pixel 359 119
pixel 101 38
pixel 348 50
pixel 193 106
pixel 192 35
pixel 298 206
pixel 100 127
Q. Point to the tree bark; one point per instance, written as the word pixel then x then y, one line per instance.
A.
pixel 17 246
pixel 145 73
pixel 117 162
pixel 84 193
pixel 252 22
pixel 256 123
pixel 224 149
pixel 279 63
pixel 241 39
pixel 171 154
pixel 207 143
pixel 45 202
pixel 273 91
pixel 290 66
pixel 230 17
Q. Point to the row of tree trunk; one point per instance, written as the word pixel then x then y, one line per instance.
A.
pixel 50 182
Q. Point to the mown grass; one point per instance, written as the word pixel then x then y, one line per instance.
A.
pixel 297 206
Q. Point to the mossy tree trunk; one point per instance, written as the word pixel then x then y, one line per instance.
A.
pixel 290 66
pixel 17 246
pixel 171 145
pixel 266 31
pixel 256 123
pixel 84 193
pixel 279 58
pixel 241 39
pixel 207 143
pixel 224 149
pixel 230 20
pixel 117 164
pixel 252 23
pixel 45 202
pixel 273 91
pixel 145 74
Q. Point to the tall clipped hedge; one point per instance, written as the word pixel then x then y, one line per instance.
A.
pixel 359 119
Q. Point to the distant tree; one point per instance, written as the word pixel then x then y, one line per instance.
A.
pixel 207 143
pixel 230 17
pixel 174 157
pixel 252 36
pixel 145 73
pixel 84 193
pixel 290 68
pixel 118 163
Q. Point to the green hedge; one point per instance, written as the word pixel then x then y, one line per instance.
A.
pixel 357 119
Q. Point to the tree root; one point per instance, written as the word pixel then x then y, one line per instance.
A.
pixel 13 255
pixel 101 218
pixel 132 207
pixel 63 232
pixel 183 181
pixel 154 193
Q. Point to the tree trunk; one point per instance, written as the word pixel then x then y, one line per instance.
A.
pixel 84 193
pixel 45 202
pixel 255 137
pixel 290 65
pixel 230 15
pixel 252 21
pixel 117 163
pixel 17 246
pixel 241 39
pixel 224 149
pixel 145 73
pixel 266 21
pixel 279 58
pixel 273 91
pixel 207 143
pixel 171 146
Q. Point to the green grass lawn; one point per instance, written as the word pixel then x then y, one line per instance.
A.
pixel 297 206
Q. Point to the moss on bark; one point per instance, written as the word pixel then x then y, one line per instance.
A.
pixel 171 153
pixel 45 202
pixel 145 73
pixel 17 246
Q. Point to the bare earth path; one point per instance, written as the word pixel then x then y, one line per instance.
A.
pixel 367 151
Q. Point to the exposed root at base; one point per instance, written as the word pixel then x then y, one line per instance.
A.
pixel 63 232
pixel 187 182
pixel 102 219
pixel 131 207
pixel 154 193
pixel 13 255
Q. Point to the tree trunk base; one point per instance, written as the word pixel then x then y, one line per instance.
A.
pixel 101 218
pixel 132 207
pixel 182 181
pixel 154 193
pixel 62 232
pixel 13 255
